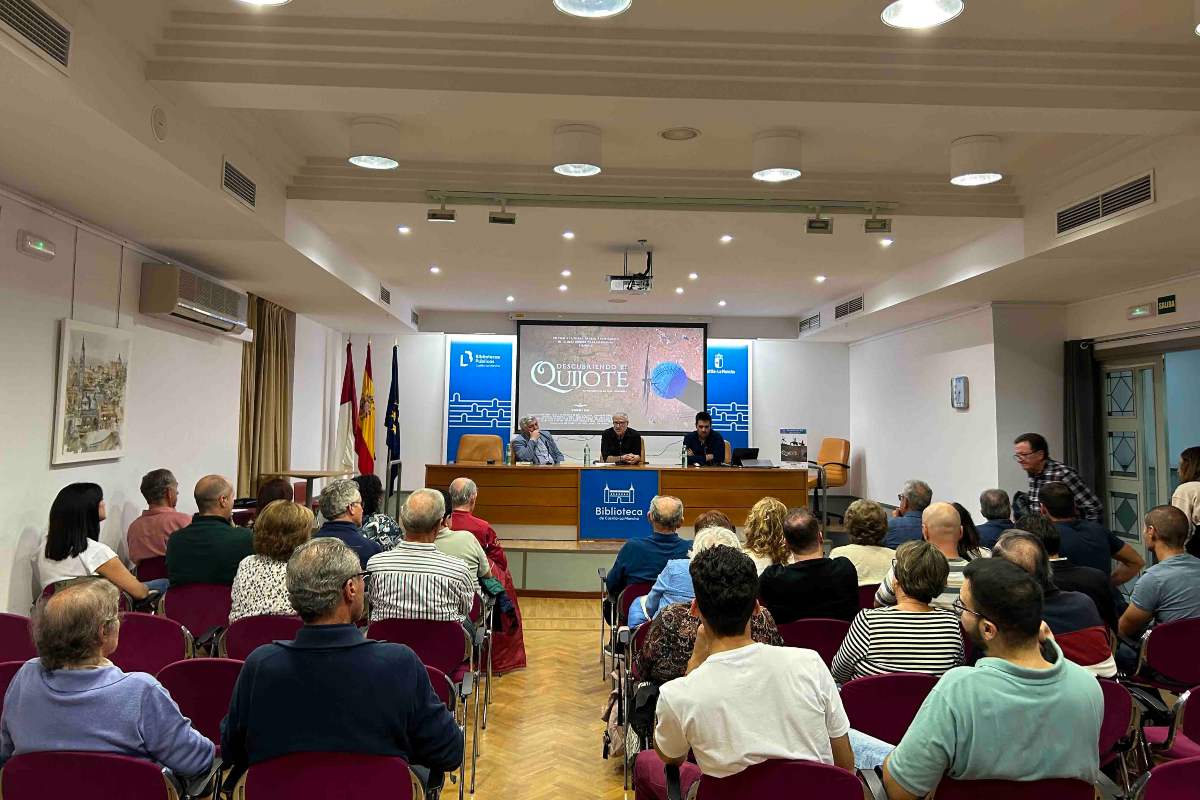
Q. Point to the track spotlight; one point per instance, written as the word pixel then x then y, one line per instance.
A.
pixel 777 156
pixel 819 224
pixel 974 160
pixel 876 225
pixel 374 143
pixel 502 217
pixel 442 214
pixel 576 150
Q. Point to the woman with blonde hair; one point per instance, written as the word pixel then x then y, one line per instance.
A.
pixel 764 534
pixel 674 584
pixel 260 585
pixel 866 525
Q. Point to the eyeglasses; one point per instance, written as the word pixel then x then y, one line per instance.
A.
pixel 960 609
pixel 1025 456
pixel 362 575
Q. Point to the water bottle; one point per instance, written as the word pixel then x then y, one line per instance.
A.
pixel 683 456
pixel 587 453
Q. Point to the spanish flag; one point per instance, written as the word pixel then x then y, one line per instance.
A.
pixel 365 442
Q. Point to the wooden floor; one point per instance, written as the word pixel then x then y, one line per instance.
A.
pixel 544 730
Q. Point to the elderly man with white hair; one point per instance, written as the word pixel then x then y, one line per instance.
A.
pixel 641 560
pixel 535 445
pixel 342 507
pixel 621 444
pixel 674 584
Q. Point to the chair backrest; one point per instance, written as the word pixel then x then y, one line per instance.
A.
pixel 247 633
pixel 630 593
pixel 1174 780
pixel 1173 651
pixel 442 686
pixel 831 456
pixel 640 634
pixel 1118 719
pixel 148 643
pixel 202 687
pixel 150 569
pixel 330 776
pixel 728 452
pixel 1049 789
pixel 437 644
pixel 884 706
pixel 866 595
pixel 199 607
pixel 123 601
pixel 823 635
pixel 8 670
pixel 479 448
pixel 16 640
pixel 66 773
pixel 242 517
pixel 778 778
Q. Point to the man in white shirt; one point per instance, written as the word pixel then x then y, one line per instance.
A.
pixel 741 703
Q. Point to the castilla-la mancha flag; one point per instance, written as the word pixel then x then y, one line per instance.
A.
pixel 365 445
pixel 348 431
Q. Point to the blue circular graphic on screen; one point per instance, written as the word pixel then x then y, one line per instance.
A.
pixel 668 379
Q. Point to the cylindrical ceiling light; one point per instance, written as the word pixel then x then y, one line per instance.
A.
pixel 266 2
pixel 777 156
pixel 374 143
pixel 593 9
pixel 1196 16
pixel 920 14
pixel 576 150
pixel 974 160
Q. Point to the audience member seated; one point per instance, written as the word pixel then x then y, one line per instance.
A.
pixel 996 508
pixel 911 636
pixel 812 585
pixel 1069 576
pixel 73 698
pixel 1169 590
pixel 867 526
pixel 209 549
pixel 664 655
pixel 1031 451
pixel 260 586
pixel 641 560
pixel 942 527
pixel 764 534
pixel 1023 713
pixel 376 525
pixel 461 544
pixel 713 519
pixel 72 548
pixel 905 523
pixel 414 580
pixel 1086 542
pixel 269 491
pixel 674 584
pixel 741 702
pixel 1187 495
pixel 147 535
pixel 342 507
pixel 1071 616
pixel 968 544
pixel 535 445
pixel 333 689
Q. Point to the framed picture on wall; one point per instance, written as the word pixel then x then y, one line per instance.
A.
pixel 959 392
pixel 92 393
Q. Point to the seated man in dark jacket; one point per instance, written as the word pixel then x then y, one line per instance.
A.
pixel 331 688
pixel 812 585
pixel 211 547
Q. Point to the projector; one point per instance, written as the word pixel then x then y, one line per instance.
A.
pixel 440 215
pixel 630 284
pixel 502 218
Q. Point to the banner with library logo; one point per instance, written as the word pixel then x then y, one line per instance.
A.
pixel 479 388
pixel 614 503
pixel 728 372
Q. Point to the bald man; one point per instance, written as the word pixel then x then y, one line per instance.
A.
pixel 211 547
pixel 941 527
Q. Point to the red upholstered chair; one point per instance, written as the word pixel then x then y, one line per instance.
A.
pixel 1170 656
pixel 823 635
pixel 444 688
pixel 202 687
pixel 202 608
pixel 866 595
pixel 1118 728
pixel 884 706
pixel 16 640
pixel 123 601
pixel 1175 780
pixel 775 779
pixel 1180 739
pixel 65 773
pixel 329 776
pixel 1050 789
pixel 615 615
pixel 241 637
pixel 148 643
pixel 8 670
pixel 149 569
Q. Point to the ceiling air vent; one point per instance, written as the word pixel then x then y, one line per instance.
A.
pixel 415 318
pixel 810 323
pixel 385 295
pixel 1109 203
pixel 237 184
pixel 38 30
pixel 849 307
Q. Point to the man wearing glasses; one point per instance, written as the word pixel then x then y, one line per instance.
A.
pixel 342 506
pixel 1031 451
pixel 621 444
pixel 1023 690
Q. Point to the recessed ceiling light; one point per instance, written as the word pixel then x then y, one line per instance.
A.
pixel 566 273
pixel 777 156
pixel 693 275
pixel 576 150
pixel 266 2
pixel 568 235
pixel 509 299
pixel 435 269
pixel 678 290
pixel 919 14
pixel 403 230
pixel 973 161
pixel 680 134
pixel 726 239
pixel 886 241
pixel 373 162
pixel 593 9
pixel 820 279
pixel 721 303
pixel 374 143
pixel 562 287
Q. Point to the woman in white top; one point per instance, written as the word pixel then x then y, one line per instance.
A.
pixel 866 525
pixel 260 585
pixel 764 534
pixel 1187 494
pixel 73 548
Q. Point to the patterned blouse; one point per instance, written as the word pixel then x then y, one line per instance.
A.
pixel 260 588
pixel 383 531
pixel 668 648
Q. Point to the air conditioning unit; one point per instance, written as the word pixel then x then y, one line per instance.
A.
pixel 176 292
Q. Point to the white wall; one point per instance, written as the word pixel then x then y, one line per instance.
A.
pixel 183 401
pixel 901 422
pixel 314 395
pixel 1105 316
pixel 1183 407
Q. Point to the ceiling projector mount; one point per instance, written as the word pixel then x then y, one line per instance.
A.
pixel 637 282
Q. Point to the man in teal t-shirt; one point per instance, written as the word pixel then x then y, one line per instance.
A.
pixel 1023 713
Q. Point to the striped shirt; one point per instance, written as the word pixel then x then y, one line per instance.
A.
pixel 885 640
pixel 886 595
pixel 415 581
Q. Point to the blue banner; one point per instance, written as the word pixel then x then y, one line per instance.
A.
pixel 478 390
pixel 614 502
pixel 729 391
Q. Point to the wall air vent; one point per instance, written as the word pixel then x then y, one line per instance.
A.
pixel 37 30
pixel 385 295
pixel 415 318
pixel 1109 203
pixel 810 323
pixel 234 181
pixel 849 307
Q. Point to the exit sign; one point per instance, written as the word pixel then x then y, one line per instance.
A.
pixel 1166 305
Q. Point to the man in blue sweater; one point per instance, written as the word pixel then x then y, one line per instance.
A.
pixel 905 522
pixel 331 688
pixel 641 560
